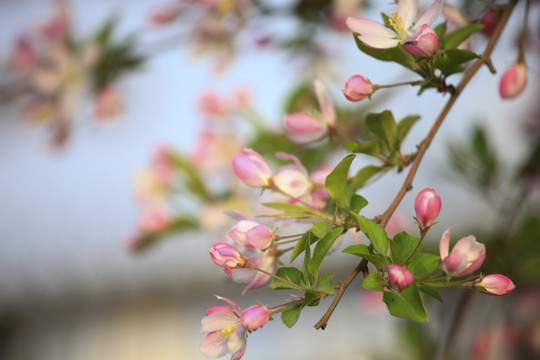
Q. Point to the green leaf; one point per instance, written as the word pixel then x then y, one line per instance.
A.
pixel 289 273
pixel 395 253
pixel 440 30
pixel 321 249
pixel 434 293
pixel 290 316
pixel 326 285
pixel 320 229
pixel 365 252
pixel 450 61
pixel 383 125
pixel 403 128
pixel 406 304
pixel 375 233
pixel 372 282
pixel 422 264
pixel 369 147
pixel 308 277
pixel 363 175
pixel 290 208
pixel 358 202
pixel 407 243
pixel 336 181
pixel 453 39
pixel 300 247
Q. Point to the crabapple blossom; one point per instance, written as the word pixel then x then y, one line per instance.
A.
pixel 227 256
pixel 404 22
pixel 424 44
pixel 427 207
pixel 466 256
pixel 494 284
pixel 154 219
pixel 251 233
pixel 255 316
pixel 357 88
pixel 399 276
pixel 513 81
pixel 107 103
pixel 304 128
pixel 252 168
pixel 266 260
pixel 292 179
pixel 226 333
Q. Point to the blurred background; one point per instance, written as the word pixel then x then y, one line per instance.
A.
pixel 72 286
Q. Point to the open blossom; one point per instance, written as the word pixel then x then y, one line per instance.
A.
pixel 252 168
pixel 251 233
pixel 424 44
pixel 357 88
pixel 513 81
pixel 495 284
pixel 405 25
pixel 427 207
pixel 466 256
pixel 227 256
pixel 292 179
pixel 399 276
pixel 226 333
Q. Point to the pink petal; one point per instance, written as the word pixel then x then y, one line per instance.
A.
pixel 373 33
pixel 456 262
pixel 237 341
pixel 217 321
pixel 407 9
pixel 430 15
pixel 214 346
pixel 444 245
pixel 325 101
pixel 217 308
pixel 231 303
pixel 380 42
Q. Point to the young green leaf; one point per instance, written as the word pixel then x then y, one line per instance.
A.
pixel 453 39
pixel 372 282
pixel 290 208
pixel 290 316
pixel 434 293
pixel 326 285
pixel 300 246
pixel 375 233
pixel 291 274
pixel 321 249
pixel 369 147
pixel 383 125
pixel 403 128
pixel 363 175
pixel 406 304
pixel 358 202
pixel 407 243
pixel 450 61
pixel 320 229
pixel 365 252
pixel 422 264
pixel 336 181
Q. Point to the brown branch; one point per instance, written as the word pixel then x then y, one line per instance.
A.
pixel 407 184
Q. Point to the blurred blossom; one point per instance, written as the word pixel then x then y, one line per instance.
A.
pixel 489 20
pixel 23 56
pixel 241 97
pixel 292 179
pixel 454 16
pixel 154 219
pixel 499 340
pixel 212 150
pixel 212 104
pixel 397 223
pixel 513 81
pixel 253 279
pixel 252 168
pixel 107 103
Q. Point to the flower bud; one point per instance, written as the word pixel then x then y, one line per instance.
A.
pixel 495 284
pixel 513 81
pixel 304 128
pixel 466 256
pixel 357 88
pixel 399 276
pixel 424 44
pixel 427 207
pixel 255 316
pixel 252 168
pixel 227 256
pixel 251 233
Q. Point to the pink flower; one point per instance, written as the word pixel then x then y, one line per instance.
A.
pixel 227 256
pixel 304 128
pixel 357 88
pixel 513 81
pixel 241 97
pixel 212 104
pixel 292 179
pixel 454 16
pixel 466 256
pixel 266 260
pixel 399 276
pixel 107 102
pixel 211 150
pixel 251 233
pixel 424 44
pixel 154 219
pixel 226 333
pixel 255 316
pixel 495 284
pixel 405 25
pixel 23 56
pixel 427 207
pixel 325 102
pixel 252 169
pixel 165 15
pixel 320 196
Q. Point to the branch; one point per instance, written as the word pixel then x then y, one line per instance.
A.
pixel 407 184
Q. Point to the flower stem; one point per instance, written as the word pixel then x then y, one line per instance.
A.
pixel 251 266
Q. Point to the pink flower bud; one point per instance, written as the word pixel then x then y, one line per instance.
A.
pixel 357 88
pixel 304 128
pixel 227 256
pixel 255 316
pixel 399 276
pixel 466 256
pixel 252 168
pixel 427 207
pixel 424 44
pixel 251 233
pixel 489 20
pixel 495 285
pixel 513 81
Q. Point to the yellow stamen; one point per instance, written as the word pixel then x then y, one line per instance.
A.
pixel 227 331
pixel 396 22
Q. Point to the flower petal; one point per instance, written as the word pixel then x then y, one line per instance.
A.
pixel 325 101
pixel 218 320
pixel 407 10
pixel 214 346
pixel 231 303
pixel 237 341
pixel 430 15
pixel 373 33
pixel 444 245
